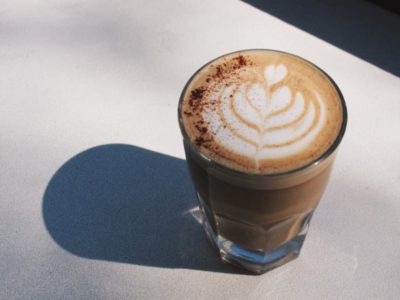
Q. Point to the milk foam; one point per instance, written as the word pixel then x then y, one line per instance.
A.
pixel 258 123
pixel 264 117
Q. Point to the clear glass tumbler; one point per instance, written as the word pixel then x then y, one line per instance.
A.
pixel 258 222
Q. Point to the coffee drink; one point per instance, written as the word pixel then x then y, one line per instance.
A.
pixel 260 131
pixel 262 112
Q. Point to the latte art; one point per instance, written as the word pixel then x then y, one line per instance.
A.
pixel 262 117
pixel 265 119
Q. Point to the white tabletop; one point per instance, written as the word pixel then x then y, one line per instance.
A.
pixel 95 199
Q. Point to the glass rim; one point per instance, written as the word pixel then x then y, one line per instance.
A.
pixel 305 167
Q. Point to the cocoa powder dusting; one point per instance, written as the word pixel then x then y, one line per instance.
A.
pixel 197 94
pixel 218 72
pixel 195 98
pixel 201 141
pixel 226 72
pixel 241 60
pixel 201 129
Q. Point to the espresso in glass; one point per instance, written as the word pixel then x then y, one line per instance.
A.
pixel 261 130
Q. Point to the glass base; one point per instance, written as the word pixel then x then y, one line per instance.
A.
pixel 255 261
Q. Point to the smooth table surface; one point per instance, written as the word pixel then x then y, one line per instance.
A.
pixel 95 198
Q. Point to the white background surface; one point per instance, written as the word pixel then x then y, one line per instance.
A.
pixel 80 74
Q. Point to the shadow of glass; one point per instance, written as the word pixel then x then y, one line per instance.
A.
pixel 358 27
pixel 126 204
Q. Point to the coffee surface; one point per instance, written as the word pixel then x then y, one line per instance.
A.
pixel 261 111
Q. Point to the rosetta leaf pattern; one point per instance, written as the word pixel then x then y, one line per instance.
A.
pixel 281 115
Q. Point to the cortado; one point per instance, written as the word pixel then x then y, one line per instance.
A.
pixel 260 129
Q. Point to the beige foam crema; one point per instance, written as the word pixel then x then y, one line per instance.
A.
pixel 261 111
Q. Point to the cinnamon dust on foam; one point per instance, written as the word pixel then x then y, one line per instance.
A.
pixel 232 69
pixel 227 73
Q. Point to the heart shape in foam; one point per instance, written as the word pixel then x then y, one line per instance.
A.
pixel 273 74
